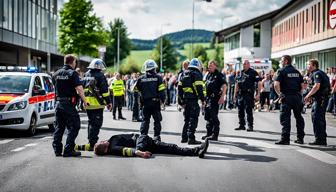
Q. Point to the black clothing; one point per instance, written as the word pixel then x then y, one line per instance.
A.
pixel 95 123
pixel 213 84
pixel 319 107
pixel 290 81
pixel 65 80
pixel 127 144
pixel 246 86
pixel 118 102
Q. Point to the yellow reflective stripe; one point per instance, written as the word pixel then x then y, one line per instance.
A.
pixel 162 87
pixel 179 83
pixel 106 94
pixel 87 147
pixel 93 103
pixel 129 152
pixel 199 83
pixel 188 90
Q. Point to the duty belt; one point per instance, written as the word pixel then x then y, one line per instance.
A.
pixel 63 98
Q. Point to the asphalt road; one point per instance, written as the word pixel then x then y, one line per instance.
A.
pixel 240 161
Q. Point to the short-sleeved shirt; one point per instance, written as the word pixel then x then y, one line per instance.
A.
pixel 66 80
pixel 290 80
pixel 214 82
pixel 318 76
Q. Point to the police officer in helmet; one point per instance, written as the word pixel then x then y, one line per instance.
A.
pixel 246 92
pixel 98 96
pixel 67 85
pixel 289 85
pixel 190 91
pixel 215 84
pixel 320 93
pixel 152 94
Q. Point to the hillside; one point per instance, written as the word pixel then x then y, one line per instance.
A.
pixel 178 39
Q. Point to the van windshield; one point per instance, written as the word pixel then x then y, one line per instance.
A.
pixel 14 83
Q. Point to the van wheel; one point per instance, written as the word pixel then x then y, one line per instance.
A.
pixel 32 127
pixel 51 127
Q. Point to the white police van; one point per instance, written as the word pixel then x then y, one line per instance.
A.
pixel 27 99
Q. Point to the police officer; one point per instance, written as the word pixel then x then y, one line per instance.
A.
pixel 98 96
pixel 215 84
pixel 189 92
pixel 180 75
pixel 320 94
pixel 288 85
pixel 67 83
pixel 118 89
pixel 152 92
pixel 245 89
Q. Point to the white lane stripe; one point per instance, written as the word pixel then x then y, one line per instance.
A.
pixel 319 155
pixel 18 149
pixel 30 144
pixel 47 137
pixel 6 141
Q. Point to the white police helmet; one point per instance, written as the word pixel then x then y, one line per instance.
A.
pixel 97 64
pixel 196 64
pixel 148 65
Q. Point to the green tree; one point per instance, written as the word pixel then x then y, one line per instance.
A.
pixel 112 47
pixel 219 55
pixel 169 55
pixel 201 54
pixel 80 31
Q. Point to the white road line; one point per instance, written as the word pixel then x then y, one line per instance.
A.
pixel 47 137
pixel 6 141
pixel 31 144
pixel 319 155
pixel 18 149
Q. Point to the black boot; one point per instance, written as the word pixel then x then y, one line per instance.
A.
pixel 282 142
pixel 240 128
pixel 72 153
pixel 250 129
pixel 157 138
pixel 205 136
pixel 193 142
pixel 299 141
pixel 213 137
pixel 203 148
pixel 317 142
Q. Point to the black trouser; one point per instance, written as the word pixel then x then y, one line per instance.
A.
pixel 291 102
pixel 95 123
pixel 245 104
pixel 318 117
pixel 191 113
pixel 264 98
pixel 151 108
pixel 66 117
pixel 146 143
pixel 117 103
pixel 135 106
pixel 211 116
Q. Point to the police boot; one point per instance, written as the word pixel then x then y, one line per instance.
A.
pixel 299 141
pixel 122 118
pixel 250 129
pixel 282 142
pixel 157 138
pixel 318 142
pixel 213 137
pixel 114 117
pixel 72 153
pixel 193 142
pixel 203 148
pixel 240 128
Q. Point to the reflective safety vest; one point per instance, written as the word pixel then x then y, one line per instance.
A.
pixel 94 98
pixel 117 87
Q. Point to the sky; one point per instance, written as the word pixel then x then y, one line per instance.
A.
pixel 145 19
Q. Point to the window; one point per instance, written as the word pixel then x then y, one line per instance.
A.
pixel 10 15
pixel 1 11
pixel 323 14
pixel 37 83
pixel 232 42
pixel 20 20
pixel 318 17
pixel 25 17
pixel 16 16
pixel 48 86
pixel 315 21
pixel 5 15
pixel 29 19
pixel 306 15
pixel 33 20
pixel 256 35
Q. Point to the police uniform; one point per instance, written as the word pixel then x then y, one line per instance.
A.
pixel 190 90
pixel 126 145
pixel 152 91
pixel 320 104
pixel 213 83
pixel 135 104
pixel 290 81
pixel 118 90
pixel 66 80
pixel 97 96
pixel 247 81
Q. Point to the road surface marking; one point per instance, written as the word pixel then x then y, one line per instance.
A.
pixel 30 144
pixel 47 137
pixel 6 141
pixel 319 155
pixel 18 149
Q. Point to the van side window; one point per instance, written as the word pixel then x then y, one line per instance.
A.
pixel 49 87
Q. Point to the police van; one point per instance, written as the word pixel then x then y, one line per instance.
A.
pixel 27 99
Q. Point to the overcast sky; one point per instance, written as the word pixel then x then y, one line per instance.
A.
pixel 144 18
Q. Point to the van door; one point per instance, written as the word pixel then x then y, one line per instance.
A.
pixel 49 103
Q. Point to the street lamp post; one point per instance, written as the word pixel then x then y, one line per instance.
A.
pixel 193 26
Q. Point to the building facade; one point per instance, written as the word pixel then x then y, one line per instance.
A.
pixel 302 29
pixel 28 34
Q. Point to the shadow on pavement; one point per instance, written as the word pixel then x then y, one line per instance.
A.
pixel 8 133
pixel 252 158
pixel 244 146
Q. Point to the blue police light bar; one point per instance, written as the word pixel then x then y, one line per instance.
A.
pixel 32 69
